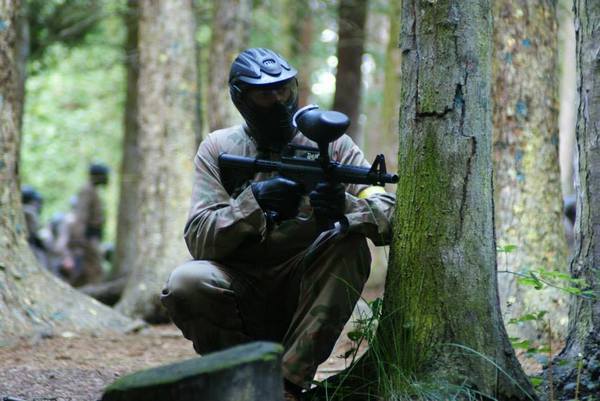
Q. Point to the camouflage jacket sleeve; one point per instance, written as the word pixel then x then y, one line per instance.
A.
pixel 369 210
pixel 217 223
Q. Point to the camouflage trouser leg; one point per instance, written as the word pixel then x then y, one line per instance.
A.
pixel 303 303
pixel 201 302
pixel 335 270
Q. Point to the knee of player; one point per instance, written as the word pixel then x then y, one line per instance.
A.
pixel 193 278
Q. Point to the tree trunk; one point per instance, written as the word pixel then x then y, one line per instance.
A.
pixel 302 34
pixel 582 350
pixel 166 123
pixel 567 95
pixel 389 109
pixel 33 302
pixel 352 18
pixel 226 43
pixel 527 186
pixel 126 250
pixel 21 56
pixel 441 318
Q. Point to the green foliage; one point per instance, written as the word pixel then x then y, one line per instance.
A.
pixel 73 116
pixel 67 22
pixel 541 279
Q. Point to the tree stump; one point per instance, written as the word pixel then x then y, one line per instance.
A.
pixel 248 372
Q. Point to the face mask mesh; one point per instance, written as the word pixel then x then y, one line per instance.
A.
pixel 270 127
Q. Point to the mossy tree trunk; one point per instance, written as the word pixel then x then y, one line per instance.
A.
pixel 126 251
pixel 527 186
pixel 352 18
pixel 441 316
pixel 167 112
pixel 582 350
pixel 227 40
pixel 33 301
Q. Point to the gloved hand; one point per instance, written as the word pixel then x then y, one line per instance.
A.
pixel 278 195
pixel 328 200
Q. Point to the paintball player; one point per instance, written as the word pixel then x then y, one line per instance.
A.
pixel 259 277
pixel 32 207
pixel 85 234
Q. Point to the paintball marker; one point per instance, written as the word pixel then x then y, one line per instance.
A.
pixel 308 165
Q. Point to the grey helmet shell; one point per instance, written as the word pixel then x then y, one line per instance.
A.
pixel 259 66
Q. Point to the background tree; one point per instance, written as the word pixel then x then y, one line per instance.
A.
pixel 302 32
pixel 125 249
pixel 527 190
pixel 351 42
pixel 167 112
pixel 33 302
pixel 389 108
pixel 567 94
pixel 441 319
pixel 229 36
pixel 579 376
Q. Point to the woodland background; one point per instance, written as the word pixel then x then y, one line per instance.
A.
pixel 82 57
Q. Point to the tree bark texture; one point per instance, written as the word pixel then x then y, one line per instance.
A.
pixel 126 250
pixel 582 350
pixel 227 40
pixel 441 317
pixel 21 56
pixel 166 123
pixel 352 17
pixel 527 187
pixel 33 302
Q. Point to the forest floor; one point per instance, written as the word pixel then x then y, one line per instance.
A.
pixel 69 367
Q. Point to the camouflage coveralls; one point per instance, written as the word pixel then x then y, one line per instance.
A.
pixel 33 227
pixel 85 236
pixel 290 283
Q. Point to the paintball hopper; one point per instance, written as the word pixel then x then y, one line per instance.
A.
pixel 321 126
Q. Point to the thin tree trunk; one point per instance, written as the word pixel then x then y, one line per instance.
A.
pixel 302 35
pixel 441 317
pixel 226 42
pixel 582 351
pixel 126 250
pixel 568 96
pixel 166 123
pixel 352 17
pixel 527 186
pixel 33 301
pixel 389 109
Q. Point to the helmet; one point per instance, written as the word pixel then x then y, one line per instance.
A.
pixel 257 68
pixel 99 173
pixel 30 195
pixel 99 169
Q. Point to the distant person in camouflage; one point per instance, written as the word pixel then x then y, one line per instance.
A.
pixel 285 280
pixel 32 207
pixel 85 232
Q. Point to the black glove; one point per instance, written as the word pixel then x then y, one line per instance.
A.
pixel 328 200
pixel 278 195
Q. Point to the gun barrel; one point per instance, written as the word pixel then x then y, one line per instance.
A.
pixel 309 170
